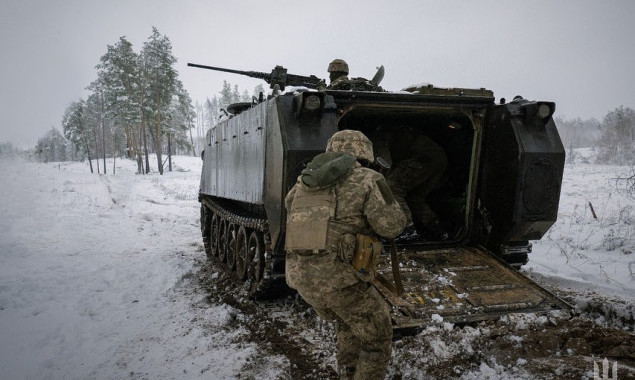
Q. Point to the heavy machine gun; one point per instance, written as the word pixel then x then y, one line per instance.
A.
pixel 278 76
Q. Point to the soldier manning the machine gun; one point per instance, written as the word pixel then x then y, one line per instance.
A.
pixel 338 75
pixel 335 213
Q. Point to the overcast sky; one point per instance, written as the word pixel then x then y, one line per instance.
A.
pixel 577 53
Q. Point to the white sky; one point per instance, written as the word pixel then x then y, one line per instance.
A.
pixel 577 53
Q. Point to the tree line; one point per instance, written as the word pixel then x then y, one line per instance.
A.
pixel 613 138
pixel 137 107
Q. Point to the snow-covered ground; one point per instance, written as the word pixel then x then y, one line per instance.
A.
pixel 586 253
pixel 98 277
pixel 94 277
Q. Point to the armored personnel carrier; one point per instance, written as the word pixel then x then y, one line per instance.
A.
pixel 501 189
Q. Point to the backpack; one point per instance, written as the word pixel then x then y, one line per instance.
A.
pixel 314 202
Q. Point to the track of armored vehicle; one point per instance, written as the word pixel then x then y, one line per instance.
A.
pixel 239 242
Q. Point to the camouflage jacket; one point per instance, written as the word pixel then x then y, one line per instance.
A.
pixel 356 84
pixel 364 204
pixel 341 83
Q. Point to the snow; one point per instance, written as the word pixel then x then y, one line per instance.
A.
pixel 496 372
pixel 585 254
pixel 97 275
pixel 94 277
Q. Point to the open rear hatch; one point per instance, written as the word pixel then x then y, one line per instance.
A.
pixel 460 285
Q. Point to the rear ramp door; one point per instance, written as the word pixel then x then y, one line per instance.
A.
pixel 461 285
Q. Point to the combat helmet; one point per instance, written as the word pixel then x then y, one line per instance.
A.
pixel 338 65
pixel 351 142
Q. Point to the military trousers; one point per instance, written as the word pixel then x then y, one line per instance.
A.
pixel 412 179
pixel 364 329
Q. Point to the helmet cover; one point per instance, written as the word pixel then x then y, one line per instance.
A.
pixel 338 65
pixel 352 142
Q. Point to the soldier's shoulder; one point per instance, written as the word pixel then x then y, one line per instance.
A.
pixel 363 173
pixel 341 83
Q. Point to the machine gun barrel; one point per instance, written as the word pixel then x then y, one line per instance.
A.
pixel 278 76
pixel 253 74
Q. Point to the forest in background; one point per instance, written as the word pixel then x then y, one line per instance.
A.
pixel 137 108
pixel 613 138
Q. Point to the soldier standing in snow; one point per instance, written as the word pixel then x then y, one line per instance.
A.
pixel 335 203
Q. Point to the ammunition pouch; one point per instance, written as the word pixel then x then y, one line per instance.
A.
pixel 346 247
pixel 366 257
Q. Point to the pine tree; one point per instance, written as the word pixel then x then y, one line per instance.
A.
pixel 76 130
pixel 119 73
pixel 159 87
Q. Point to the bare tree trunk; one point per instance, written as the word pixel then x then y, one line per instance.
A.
pixel 192 141
pixel 145 148
pixel 130 145
pixel 90 162
pixel 137 149
pixel 114 151
pixel 138 155
pixel 103 142
pixel 169 152
pixel 157 148
pixel 103 131
pixel 96 152
pixel 157 144
pixel 156 138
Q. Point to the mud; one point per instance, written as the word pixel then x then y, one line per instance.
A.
pixel 525 346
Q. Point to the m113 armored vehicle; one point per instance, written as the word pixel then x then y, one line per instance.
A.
pixel 501 189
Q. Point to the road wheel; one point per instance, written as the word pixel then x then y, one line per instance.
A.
pixel 256 255
pixel 214 238
pixel 231 247
pixel 223 236
pixel 205 230
pixel 242 253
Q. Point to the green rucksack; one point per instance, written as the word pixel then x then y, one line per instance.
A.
pixel 327 168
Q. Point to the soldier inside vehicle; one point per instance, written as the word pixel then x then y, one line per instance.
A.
pixel 430 157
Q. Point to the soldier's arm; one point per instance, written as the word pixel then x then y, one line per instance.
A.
pixel 383 212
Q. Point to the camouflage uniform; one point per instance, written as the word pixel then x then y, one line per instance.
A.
pixel 340 83
pixel 327 280
pixel 338 73
pixel 417 165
